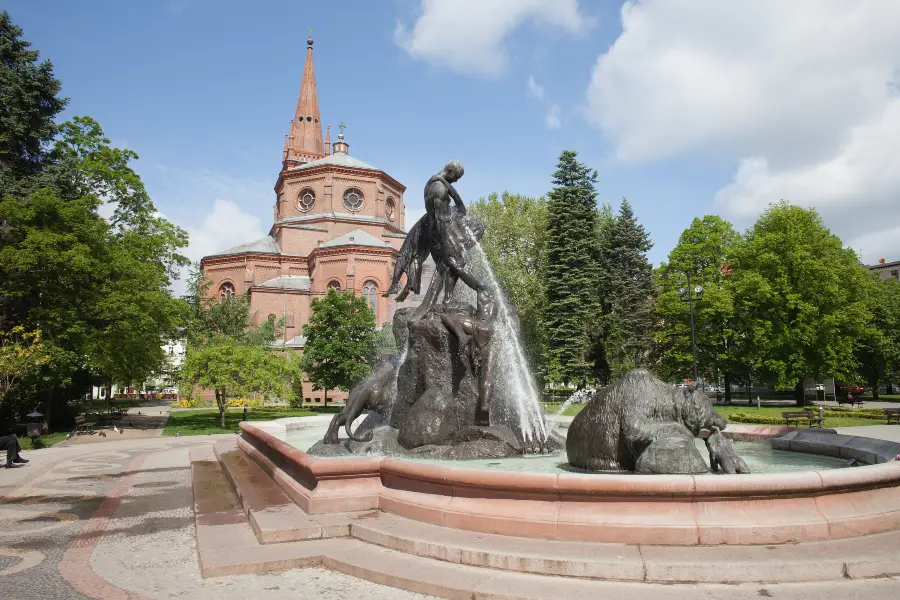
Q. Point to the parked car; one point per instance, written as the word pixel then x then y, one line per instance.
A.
pixel 843 389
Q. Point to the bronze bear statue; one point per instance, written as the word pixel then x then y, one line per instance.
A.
pixel 638 423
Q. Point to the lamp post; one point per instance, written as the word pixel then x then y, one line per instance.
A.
pixel 687 295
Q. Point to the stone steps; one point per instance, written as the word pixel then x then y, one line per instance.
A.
pixel 275 518
pixel 871 556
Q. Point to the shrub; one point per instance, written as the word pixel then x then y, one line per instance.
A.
pixel 755 419
pixel 188 403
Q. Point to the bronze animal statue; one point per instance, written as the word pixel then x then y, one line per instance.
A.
pixel 372 393
pixel 638 423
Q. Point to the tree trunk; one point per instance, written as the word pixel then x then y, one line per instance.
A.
pixel 326 398
pixel 798 394
pixel 727 379
pixel 873 382
pixel 220 402
pixel 108 395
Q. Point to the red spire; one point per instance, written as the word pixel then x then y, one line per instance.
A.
pixel 306 129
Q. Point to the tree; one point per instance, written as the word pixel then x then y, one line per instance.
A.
pixel 704 251
pixel 801 298
pixel 340 341
pixel 29 101
pixel 21 354
pixel 231 369
pixel 572 272
pixel 878 353
pixel 385 345
pixel 630 292
pixel 515 244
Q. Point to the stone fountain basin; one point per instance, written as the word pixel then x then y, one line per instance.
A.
pixel 648 509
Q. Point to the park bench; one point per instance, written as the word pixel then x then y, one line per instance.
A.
pixel 801 415
pixel 892 415
pixel 82 426
pixel 852 402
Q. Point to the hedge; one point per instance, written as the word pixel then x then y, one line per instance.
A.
pixel 755 419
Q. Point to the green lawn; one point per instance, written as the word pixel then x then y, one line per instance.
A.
pixel 202 422
pixel 725 411
pixel 46 440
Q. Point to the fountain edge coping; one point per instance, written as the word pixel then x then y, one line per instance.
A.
pixel 780 485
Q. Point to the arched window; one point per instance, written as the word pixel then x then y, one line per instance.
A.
pixel 306 200
pixel 353 199
pixel 226 291
pixel 391 209
pixel 335 285
pixel 370 293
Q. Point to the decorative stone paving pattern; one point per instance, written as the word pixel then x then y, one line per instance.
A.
pixel 149 549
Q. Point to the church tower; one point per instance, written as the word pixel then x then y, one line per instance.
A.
pixel 304 143
pixel 337 222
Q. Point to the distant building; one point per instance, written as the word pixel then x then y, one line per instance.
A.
pixel 886 269
pixel 337 223
pixel 164 381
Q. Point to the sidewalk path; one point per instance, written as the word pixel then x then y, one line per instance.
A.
pixel 115 521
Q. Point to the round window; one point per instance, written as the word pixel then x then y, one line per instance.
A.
pixel 391 209
pixel 306 200
pixel 353 199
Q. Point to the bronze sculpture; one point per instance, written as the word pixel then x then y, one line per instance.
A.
pixel 475 336
pixel 638 423
pixel 370 393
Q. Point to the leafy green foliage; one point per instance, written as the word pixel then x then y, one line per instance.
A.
pixel 572 268
pixel 515 244
pixel 703 252
pixel 340 341
pixel 878 352
pixel 231 369
pixel 21 353
pixel 97 290
pixel 801 299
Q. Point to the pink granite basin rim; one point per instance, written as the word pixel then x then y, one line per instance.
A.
pixel 755 486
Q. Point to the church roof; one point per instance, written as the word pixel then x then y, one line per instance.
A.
pixel 286 282
pixel 357 237
pixel 338 159
pixel 265 245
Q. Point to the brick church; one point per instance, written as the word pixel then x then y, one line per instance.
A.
pixel 338 223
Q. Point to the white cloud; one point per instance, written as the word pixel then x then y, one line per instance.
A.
pixel 469 36
pixel 210 206
pixel 554 117
pixel 785 78
pixel 802 95
pixel 857 189
pixel 535 90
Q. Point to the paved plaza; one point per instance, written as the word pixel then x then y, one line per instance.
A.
pixel 115 520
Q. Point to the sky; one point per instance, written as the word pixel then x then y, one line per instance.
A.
pixel 686 108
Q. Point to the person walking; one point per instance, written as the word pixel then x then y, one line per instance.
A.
pixel 12 446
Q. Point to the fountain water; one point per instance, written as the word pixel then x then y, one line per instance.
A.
pixel 578 397
pixel 516 377
pixel 404 349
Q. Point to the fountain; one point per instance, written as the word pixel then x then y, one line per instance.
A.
pixel 458 405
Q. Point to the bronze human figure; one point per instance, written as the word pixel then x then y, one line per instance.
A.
pixel 475 335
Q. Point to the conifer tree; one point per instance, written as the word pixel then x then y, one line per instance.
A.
pixel 29 101
pixel 630 292
pixel 572 270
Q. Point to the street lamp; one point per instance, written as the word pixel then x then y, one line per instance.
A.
pixel 688 295
pixel 4 228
